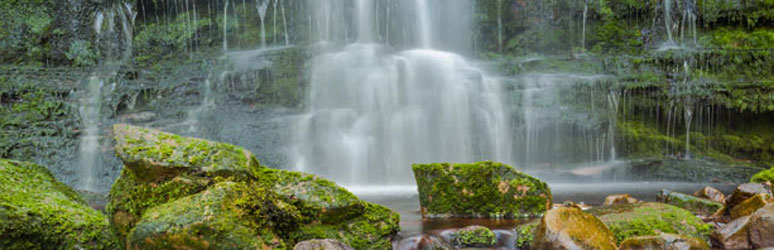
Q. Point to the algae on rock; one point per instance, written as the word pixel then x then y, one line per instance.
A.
pixel 650 218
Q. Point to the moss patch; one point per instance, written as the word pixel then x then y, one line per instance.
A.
pixel 649 218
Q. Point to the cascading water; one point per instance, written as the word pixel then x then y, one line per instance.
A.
pixel 372 113
pixel 262 6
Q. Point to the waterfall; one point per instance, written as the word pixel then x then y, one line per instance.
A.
pixel 500 26
pixel 585 16
pixel 284 23
pixel 225 27
pixel 89 142
pixel 371 113
pixel 668 22
pixel 262 6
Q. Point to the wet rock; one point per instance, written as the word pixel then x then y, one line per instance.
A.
pixel 37 211
pixel 483 189
pixel 744 192
pixel 711 193
pixel 374 228
pixel 733 235
pixel 698 206
pixel 650 218
pixel 140 117
pixel 762 227
pixel 749 206
pixel 228 215
pixel 474 236
pixel 326 244
pixel 619 199
pixel 663 241
pixel 423 242
pixel 571 228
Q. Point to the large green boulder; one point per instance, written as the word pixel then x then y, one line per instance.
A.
pixel 571 228
pixel 664 241
pixel 373 229
pixel 482 189
pixel 229 215
pixel 161 167
pixel 37 211
pixel 474 236
pixel 650 218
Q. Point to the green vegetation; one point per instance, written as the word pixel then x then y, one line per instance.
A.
pixel 474 236
pixel 763 176
pixel 642 219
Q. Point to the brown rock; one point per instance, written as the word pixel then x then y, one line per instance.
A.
pixel 619 199
pixel 733 235
pixel 663 241
pixel 327 244
pixel 711 193
pixel 749 206
pixel 744 192
pixel 761 227
pixel 571 228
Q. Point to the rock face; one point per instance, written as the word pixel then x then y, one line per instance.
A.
pixel 321 245
pixel 474 236
pixel 483 189
pixel 747 232
pixel 187 192
pixel 37 210
pixel 571 228
pixel 698 206
pixel 762 227
pixel 744 192
pixel 749 206
pixel 650 218
pixel 664 241
pixel 710 193
pixel 619 199
pixel 733 235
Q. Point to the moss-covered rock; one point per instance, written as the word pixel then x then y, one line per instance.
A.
pixel 696 205
pixel 317 198
pixel 153 155
pixel 227 216
pixel 763 176
pixel 664 241
pixel 749 206
pixel 373 229
pixel 525 234
pixel 474 236
pixel 36 210
pixel 650 218
pixel 483 189
pixel 571 228
pixel 746 191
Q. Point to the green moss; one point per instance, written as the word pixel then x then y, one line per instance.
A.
pixel 693 204
pixel 642 219
pixel 373 229
pixel 525 234
pixel 36 211
pixel 483 189
pixel 763 176
pixel 475 236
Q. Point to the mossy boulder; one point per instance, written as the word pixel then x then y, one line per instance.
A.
pixel 749 206
pixel 525 234
pixel 482 189
pixel 650 218
pixel 37 210
pixel 316 197
pixel 744 192
pixel 373 229
pixel 229 215
pixel 763 176
pixel 474 236
pixel 664 241
pixel 157 156
pixel 696 205
pixel 571 228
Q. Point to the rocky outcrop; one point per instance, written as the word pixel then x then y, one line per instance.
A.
pixel 664 241
pixel 698 206
pixel 747 232
pixel 733 235
pixel 749 206
pixel 483 189
pixel 762 227
pixel 571 228
pixel 36 210
pixel 172 186
pixel 744 192
pixel 650 218
pixel 710 193
pixel 619 199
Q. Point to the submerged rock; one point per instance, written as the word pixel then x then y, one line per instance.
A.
pixel 483 189
pixel 744 192
pixel 571 228
pixel 665 242
pixel 698 206
pixel 327 244
pixel 619 199
pixel 178 191
pixel 474 236
pixel 37 211
pixel 650 218
pixel 711 193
